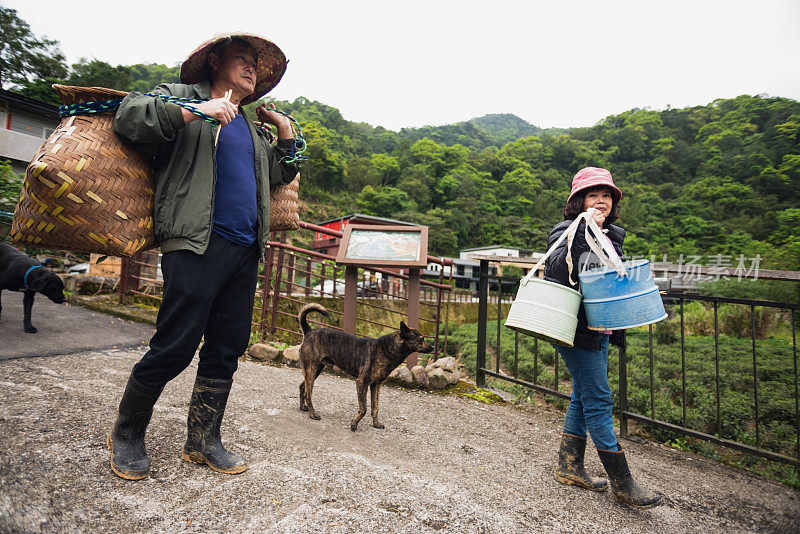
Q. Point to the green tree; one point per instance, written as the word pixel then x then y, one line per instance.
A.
pixel 360 172
pixel 326 163
pixel 41 89
pixel 442 237
pixel 97 73
pixel 23 55
pixel 10 186
pixel 387 168
pixel 146 76
pixel 788 225
pixel 384 202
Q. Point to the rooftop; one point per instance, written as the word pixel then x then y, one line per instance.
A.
pixel 29 104
pixel 367 217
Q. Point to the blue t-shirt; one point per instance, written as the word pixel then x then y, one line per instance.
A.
pixel 235 194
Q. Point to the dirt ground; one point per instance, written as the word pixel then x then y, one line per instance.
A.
pixel 444 463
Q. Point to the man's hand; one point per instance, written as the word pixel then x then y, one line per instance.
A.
pixel 270 116
pixel 219 108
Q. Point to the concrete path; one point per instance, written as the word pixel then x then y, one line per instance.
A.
pixel 63 329
pixel 444 463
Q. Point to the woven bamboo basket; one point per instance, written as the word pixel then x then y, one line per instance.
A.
pixel 284 213
pixel 86 189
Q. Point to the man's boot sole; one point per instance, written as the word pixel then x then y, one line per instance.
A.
pixel 575 482
pixel 198 458
pixel 117 472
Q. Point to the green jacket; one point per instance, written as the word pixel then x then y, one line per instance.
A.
pixel 185 165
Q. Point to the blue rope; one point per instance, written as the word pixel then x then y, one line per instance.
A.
pixel 7 214
pixel 67 110
pixel 300 145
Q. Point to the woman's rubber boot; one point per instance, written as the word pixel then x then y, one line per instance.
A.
pixel 623 486
pixel 203 444
pixel 126 440
pixel 570 468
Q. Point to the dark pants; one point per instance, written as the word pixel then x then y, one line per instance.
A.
pixel 208 296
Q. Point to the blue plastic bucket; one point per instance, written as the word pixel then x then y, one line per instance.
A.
pixel 615 302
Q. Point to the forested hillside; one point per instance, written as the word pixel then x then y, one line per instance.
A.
pixel 717 179
pixel 723 178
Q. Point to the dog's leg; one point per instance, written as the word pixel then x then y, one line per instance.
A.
pixel 1 303
pixel 361 391
pixel 303 407
pixel 27 306
pixel 310 374
pixel 375 391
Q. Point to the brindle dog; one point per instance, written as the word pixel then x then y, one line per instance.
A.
pixel 367 359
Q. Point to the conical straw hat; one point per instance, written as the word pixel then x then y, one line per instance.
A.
pixel 271 63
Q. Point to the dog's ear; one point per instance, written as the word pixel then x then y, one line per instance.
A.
pixel 403 328
pixel 39 284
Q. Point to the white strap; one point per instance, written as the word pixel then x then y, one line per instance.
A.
pixel 603 250
pixel 568 233
pixel 582 216
pixel 601 246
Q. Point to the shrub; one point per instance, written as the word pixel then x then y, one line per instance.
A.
pixel 733 320
pixel 665 333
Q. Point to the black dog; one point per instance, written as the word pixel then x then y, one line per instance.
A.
pixel 19 272
pixel 368 360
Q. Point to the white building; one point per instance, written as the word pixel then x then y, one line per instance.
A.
pixel 466 272
pixel 493 250
pixel 25 124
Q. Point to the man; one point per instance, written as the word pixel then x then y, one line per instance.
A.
pixel 211 215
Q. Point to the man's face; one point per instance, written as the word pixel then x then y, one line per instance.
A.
pixel 236 68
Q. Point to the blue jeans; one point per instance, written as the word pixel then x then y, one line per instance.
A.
pixel 590 404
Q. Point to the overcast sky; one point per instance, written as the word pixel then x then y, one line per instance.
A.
pixel 557 63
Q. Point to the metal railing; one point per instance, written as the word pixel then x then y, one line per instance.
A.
pixel 638 402
pixel 139 276
pixel 293 276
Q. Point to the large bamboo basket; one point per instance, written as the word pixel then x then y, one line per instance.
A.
pixel 86 189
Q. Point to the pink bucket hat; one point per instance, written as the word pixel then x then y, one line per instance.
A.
pixel 591 177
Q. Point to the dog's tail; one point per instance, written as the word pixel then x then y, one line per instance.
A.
pixel 308 308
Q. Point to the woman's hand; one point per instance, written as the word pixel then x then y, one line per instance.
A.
pixel 598 217
pixel 219 108
pixel 271 116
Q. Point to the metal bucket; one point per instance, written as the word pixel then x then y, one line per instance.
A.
pixel 614 302
pixel 545 310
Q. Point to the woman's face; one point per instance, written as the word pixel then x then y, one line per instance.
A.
pixel 600 199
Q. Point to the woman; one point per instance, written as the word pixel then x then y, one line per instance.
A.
pixel 590 404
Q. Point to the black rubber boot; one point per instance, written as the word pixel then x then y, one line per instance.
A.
pixel 623 486
pixel 126 440
pixel 203 444
pixel 570 468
